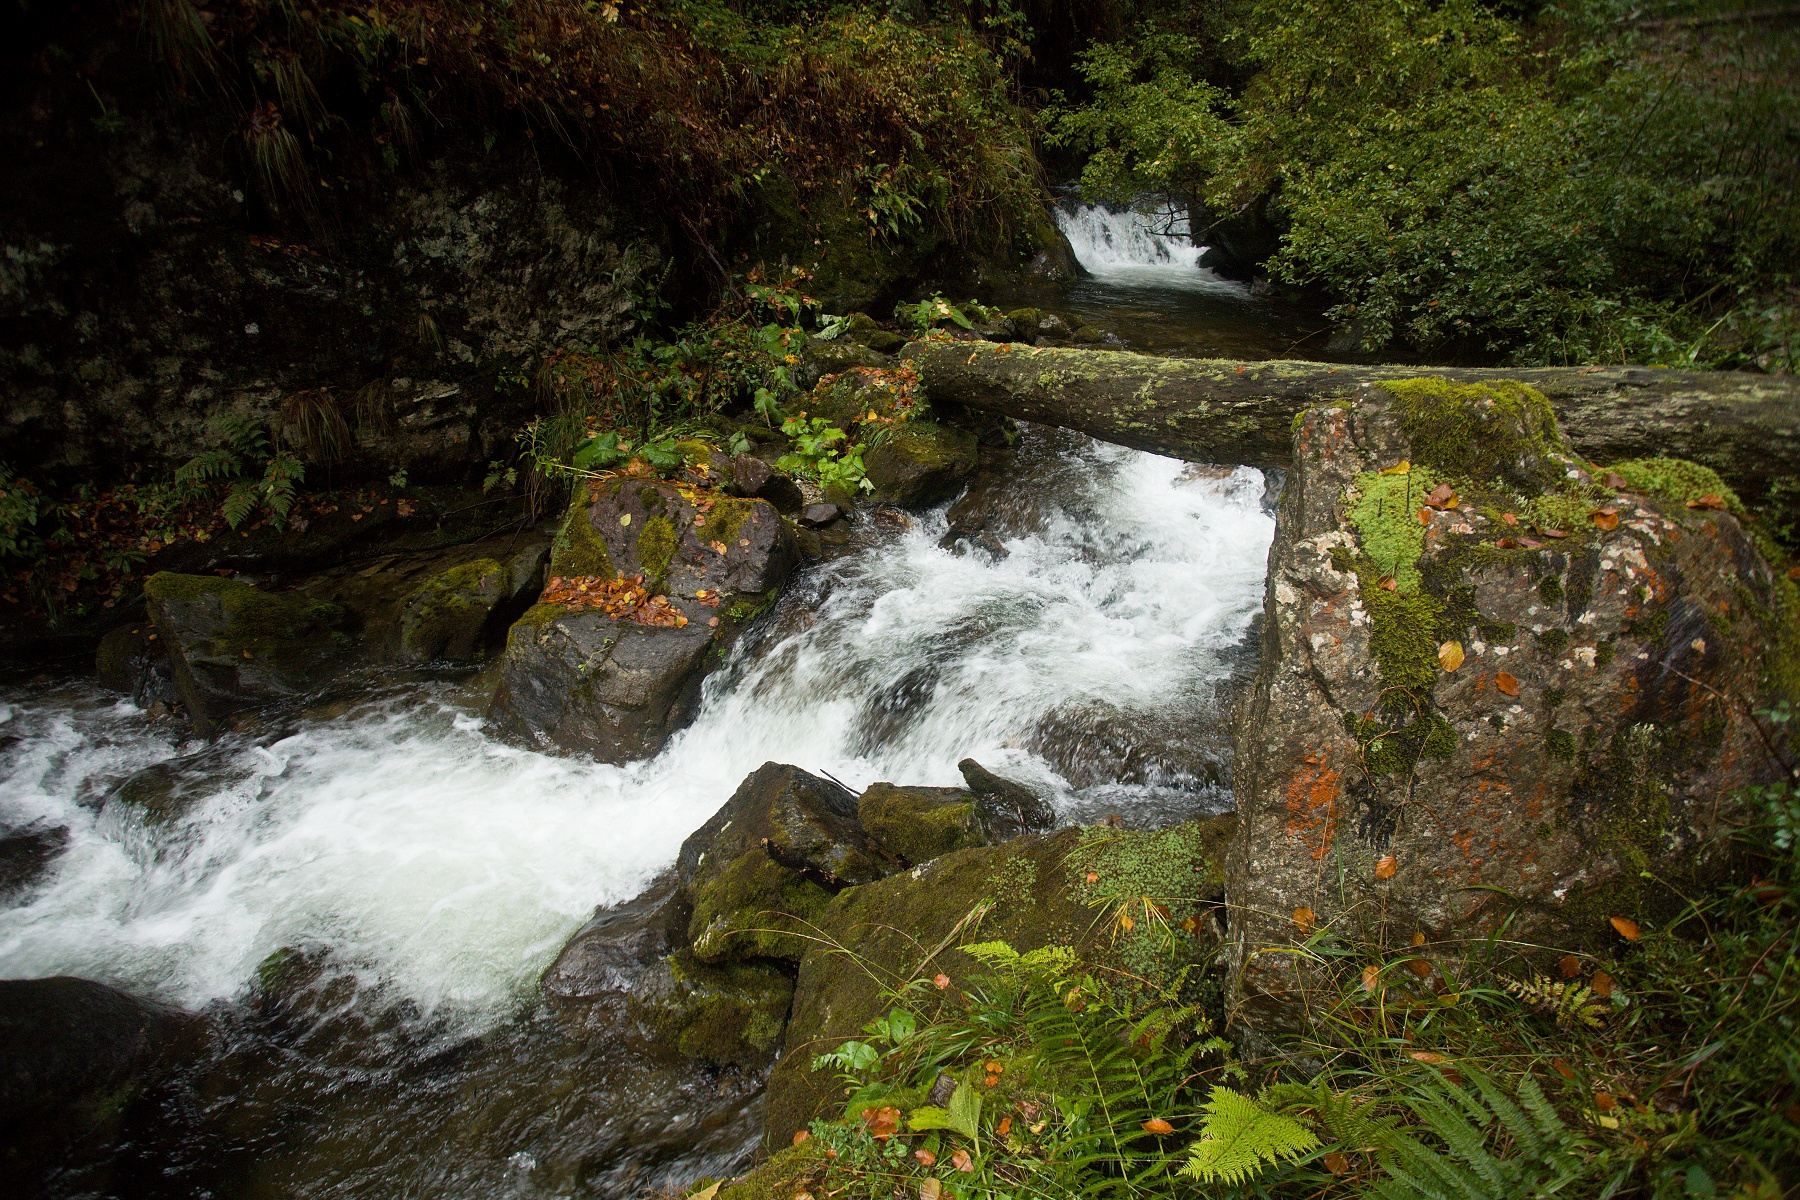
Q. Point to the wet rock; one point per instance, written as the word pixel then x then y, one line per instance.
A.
pixel 752 476
pixel 1007 809
pixel 583 682
pixel 164 792
pixel 806 823
pixel 1087 335
pixel 917 824
pixel 612 953
pixel 233 646
pixel 1460 721
pixel 1093 743
pixel 920 463
pixel 73 1054
pixel 817 516
pixel 630 967
pixel 133 659
pixel 25 856
pixel 757 907
pixel 445 617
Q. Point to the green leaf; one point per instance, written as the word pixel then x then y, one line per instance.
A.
pixel 1240 1137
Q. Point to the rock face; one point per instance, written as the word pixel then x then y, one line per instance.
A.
pixel 73 1053
pixel 910 925
pixel 1006 809
pixel 444 619
pixel 1516 699
pixel 232 645
pixel 584 682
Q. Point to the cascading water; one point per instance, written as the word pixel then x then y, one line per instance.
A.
pixel 1132 248
pixel 1082 641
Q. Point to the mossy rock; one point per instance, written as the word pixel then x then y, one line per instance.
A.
pixel 730 1015
pixel 921 463
pixel 918 823
pixel 232 645
pixel 803 822
pixel 1501 688
pixel 1039 895
pixel 444 619
pixel 755 908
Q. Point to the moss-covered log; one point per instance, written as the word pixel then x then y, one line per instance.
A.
pixel 1746 427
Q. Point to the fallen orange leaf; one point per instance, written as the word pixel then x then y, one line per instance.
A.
pixel 1419 966
pixel 1707 501
pixel 1304 918
pixel 1418 938
pixel 1562 1068
pixel 942 981
pixel 1336 1163
pixel 1386 867
pixel 1602 984
pixel 930 1189
pixel 1425 516
pixel 1507 684
pixel 926 1157
pixel 1450 655
pixel 1605 1101
pixel 1569 965
pixel 1424 1056
pixel 1509 518
pixel 801 1137
pixel 1158 1125
pixel 1371 975
pixel 1004 1127
pixel 1605 518
pixel 1628 929
pixel 962 1162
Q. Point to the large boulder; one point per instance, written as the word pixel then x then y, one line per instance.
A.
pixel 792 816
pixel 1064 888
pixel 617 685
pixel 450 615
pixel 73 1054
pixel 918 824
pixel 1527 701
pixel 233 646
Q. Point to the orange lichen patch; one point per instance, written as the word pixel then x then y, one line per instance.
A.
pixel 624 598
pixel 1309 791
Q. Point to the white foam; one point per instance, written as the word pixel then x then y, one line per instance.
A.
pixel 453 866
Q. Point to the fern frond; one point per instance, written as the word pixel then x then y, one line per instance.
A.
pixel 1239 1137
pixel 1570 1003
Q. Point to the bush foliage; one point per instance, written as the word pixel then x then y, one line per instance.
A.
pixel 1600 182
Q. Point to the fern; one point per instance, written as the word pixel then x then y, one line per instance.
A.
pixel 1492 1144
pixel 1570 1003
pixel 1347 1119
pixel 1239 1137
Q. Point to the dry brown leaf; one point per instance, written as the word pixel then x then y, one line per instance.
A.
pixel 1602 984
pixel 1418 939
pixel 1553 533
pixel 1507 684
pixel 941 981
pixel 1562 1068
pixel 883 1122
pixel 1403 467
pixel 962 1162
pixel 1386 867
pixel 1616 482
pixel 1442 496
pixel 1370 977
pixel 1569 965
pixel 1509 518
pixel 1336 1163
pixel 1158 1125
pixel 1709 500
pixel 1531 543
pixel 1425 1056
pixel 1304 919
pixel 1450 655
pixel 1390 583
pixel 1419 966
pixel 1605 518
pixel 1004 1127
pixel 801 1137
pixel 930 1189
pixel 1605 1101
pixel 1424 516
pixel 1628 928
pixel 926 1157
pixel 1507 543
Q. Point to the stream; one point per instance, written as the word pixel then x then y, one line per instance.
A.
pixel 1080 620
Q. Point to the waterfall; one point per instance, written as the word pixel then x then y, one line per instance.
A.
pixel 1134 250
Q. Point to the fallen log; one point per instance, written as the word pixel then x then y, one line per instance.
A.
pixel 1745 426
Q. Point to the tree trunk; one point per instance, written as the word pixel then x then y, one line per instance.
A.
pixel 1746 427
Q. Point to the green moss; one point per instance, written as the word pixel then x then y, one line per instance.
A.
pixel 734 1014
pixel 1560 744
pixel 1397 750
pixel 540 615
pixel 578 549
pixel 695 452
pixel 1013 882
pixel 1676 480
pixel 1403 636
pixel 1553 698
pixel 1550 587
pixel 748 610
pixel 655 549
pixel 1385 514
pixel 1479 430
pixel 727 516
pixel 919 824
pixel 1553 642
pixel 283 630
pixel 787 1173
pixel 1162 880
pixel 754 909
pixel 1497 631
pixel 1605 652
